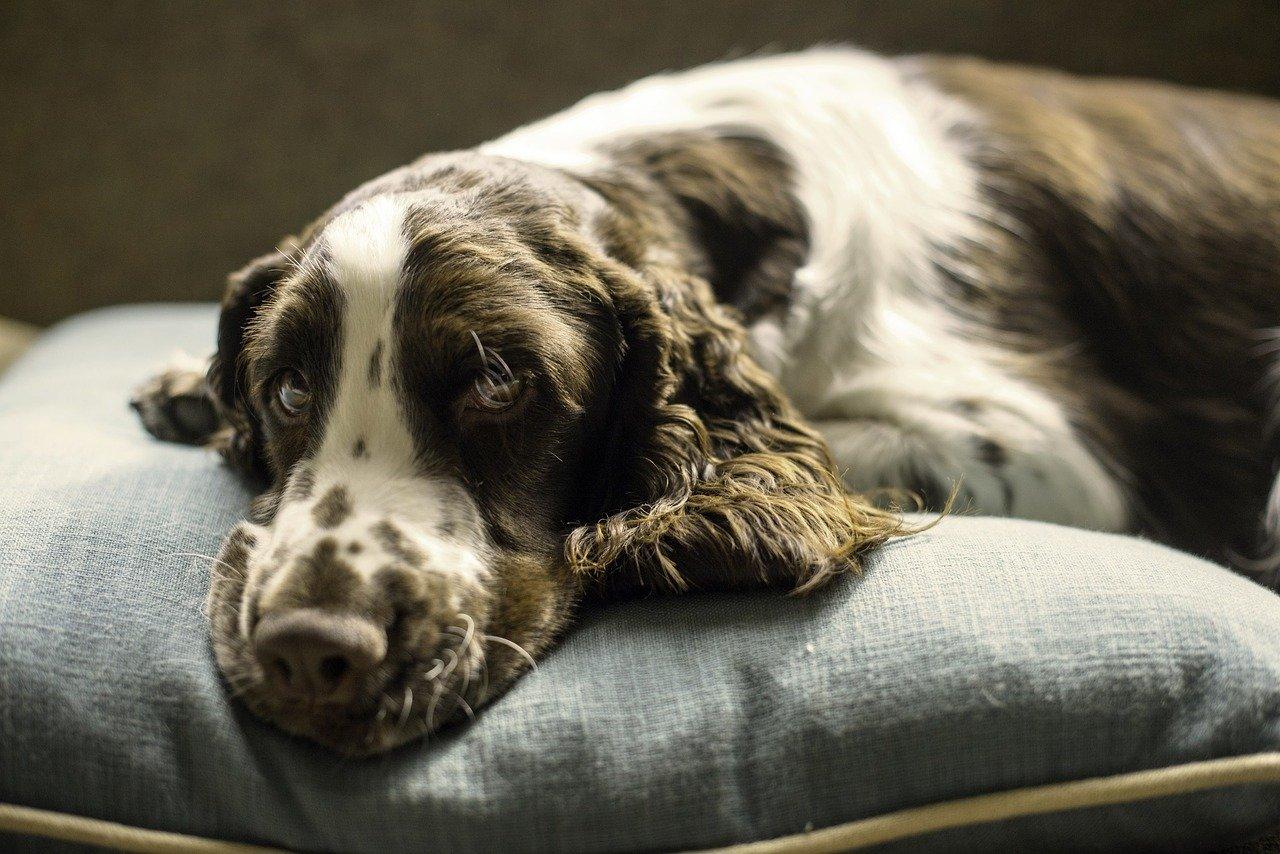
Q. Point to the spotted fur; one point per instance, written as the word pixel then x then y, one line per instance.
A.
pixel 703 331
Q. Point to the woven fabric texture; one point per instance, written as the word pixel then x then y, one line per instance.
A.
pixel 981 656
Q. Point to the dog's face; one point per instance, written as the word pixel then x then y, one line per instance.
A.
pixel 474 393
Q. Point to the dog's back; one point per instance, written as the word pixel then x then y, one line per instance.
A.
pixel 1143 239
pixel 491 381
pixel 1059 291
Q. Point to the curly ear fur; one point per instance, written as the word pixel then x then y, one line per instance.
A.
pixel 718 482
pixel 248 289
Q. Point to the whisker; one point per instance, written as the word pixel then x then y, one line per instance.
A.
pixel 533 665
pixel 466 707
pixel 484 685
pixel 492 363
pixel 464 646
pixel 431 674
pixel 431 707
pixel 405 708
pixel 239 572
pixel 471 630
pixel 453 662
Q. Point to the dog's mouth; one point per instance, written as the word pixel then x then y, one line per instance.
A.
pixel 420 697
pixel 421 694
pixel 434 673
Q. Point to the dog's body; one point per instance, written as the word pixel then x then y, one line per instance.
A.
pixel 1056 297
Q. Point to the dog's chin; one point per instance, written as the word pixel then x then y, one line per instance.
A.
pixel 353 732
pixel 404 710
pixel 404 703
pixel 346 730
pixel 436 682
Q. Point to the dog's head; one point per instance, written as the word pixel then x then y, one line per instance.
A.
pixel 477 389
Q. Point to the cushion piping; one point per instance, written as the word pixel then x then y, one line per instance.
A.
pixel 67 827
pixel 1031 800
pixel 998 806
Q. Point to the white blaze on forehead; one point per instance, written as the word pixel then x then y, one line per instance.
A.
pixel 366 249
pixel 366 245
pixel 368 448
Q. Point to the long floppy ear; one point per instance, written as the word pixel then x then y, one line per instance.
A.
pixel 248 289
pixel 717 482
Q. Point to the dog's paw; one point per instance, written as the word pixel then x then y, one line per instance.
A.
pixel 174 405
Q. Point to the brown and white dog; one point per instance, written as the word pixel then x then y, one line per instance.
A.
pixel 650 341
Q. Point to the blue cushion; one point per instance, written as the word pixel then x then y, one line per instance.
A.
pixel 976 660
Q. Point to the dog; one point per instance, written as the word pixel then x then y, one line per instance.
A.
pixel 700 332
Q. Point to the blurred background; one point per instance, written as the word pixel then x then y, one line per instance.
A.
pixel 149 148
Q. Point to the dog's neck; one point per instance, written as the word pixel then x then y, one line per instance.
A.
pixel 721 207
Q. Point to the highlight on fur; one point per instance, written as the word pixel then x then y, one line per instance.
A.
pixel 722 483
pixel 731 311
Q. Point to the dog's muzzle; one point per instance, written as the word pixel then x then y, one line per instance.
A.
pixel 339 619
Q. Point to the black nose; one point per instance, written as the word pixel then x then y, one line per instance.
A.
pixel 318 655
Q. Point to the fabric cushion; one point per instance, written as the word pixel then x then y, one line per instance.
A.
pixel 973 661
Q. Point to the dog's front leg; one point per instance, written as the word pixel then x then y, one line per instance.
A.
pixel 1001 458
pixel 175 405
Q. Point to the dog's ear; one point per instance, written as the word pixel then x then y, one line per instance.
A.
pixel 247 291
pixel 716 481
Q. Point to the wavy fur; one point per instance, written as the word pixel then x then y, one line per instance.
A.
pixel 722 484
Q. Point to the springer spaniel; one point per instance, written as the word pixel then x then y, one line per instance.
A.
pixel 687 334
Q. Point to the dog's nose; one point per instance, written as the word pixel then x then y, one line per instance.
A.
pixel 319 655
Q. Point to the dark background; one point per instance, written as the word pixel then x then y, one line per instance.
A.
pixel 148 148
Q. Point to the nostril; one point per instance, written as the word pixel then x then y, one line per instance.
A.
pixel 318 654
pixel 333 668
pixel 283 670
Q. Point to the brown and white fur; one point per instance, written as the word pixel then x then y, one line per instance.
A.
pixel 1054 298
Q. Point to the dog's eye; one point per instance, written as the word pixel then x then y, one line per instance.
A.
pixel 292 393
pixel 498 388
pixel 491 394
